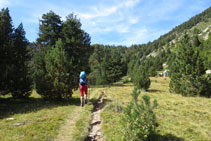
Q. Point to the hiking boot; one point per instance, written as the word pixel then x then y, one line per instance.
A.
pixel 82 105
pixel 85 101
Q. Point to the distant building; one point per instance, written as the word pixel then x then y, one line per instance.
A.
pixel 208 71
pixel 164 73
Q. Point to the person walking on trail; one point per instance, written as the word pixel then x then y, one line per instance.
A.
pixel 83 85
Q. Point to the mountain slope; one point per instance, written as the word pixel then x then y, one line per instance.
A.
pixel 198 25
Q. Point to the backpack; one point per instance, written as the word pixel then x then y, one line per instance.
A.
pixel 83 81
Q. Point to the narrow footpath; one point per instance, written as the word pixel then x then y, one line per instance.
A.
pixel 65 134
pixel 95 133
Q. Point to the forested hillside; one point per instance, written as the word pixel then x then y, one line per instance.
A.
pixel 155 54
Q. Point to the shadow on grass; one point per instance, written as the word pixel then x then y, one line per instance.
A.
pixel 106 101
pixel 154 90
pixel 120 85
pixel 97 104
pixel 167 137
pixel 11 106
pixel 111 85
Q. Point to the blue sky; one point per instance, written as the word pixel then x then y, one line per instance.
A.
pixel 113 22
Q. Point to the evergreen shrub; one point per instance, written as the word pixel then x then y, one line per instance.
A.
pixel 139 120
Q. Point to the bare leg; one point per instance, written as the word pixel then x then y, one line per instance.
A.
pixel 82 100
pixel 85 100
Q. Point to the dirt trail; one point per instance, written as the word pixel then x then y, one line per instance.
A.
pixel 95 133
pixel 64 133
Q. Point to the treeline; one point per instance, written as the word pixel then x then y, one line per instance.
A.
pixel 52 64
pixel 107 64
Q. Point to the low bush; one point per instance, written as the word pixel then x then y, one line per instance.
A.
pixel 138 119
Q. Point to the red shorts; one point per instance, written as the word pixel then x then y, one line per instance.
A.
pixel 83 89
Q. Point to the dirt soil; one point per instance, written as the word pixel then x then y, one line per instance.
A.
pixel 95 133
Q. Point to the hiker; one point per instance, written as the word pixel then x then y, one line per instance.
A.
pixel 83 85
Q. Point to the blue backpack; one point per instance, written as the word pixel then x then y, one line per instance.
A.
pixel 83 80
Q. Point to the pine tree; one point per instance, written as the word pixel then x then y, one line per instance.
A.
pixel 21 78
pixel 6 26
pixel 140 78
pixel 6 33
pixel 50 29
pixel 76 42
pixel 39 71
pixel 95 63
pixel 114 67
pixel 139 120
pixel 54 75
pixel 187 71
pixel 14 73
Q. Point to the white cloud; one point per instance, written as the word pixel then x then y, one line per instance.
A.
pixel 138 35
pixel 101 10
pixel 3 3
pixel 115 17
pixel 86 16
pixel 133 20
pixel 98 12
pixel 105 11
pixel 131 3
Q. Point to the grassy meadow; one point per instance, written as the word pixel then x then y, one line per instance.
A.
pixel 179 118
pixel 36 119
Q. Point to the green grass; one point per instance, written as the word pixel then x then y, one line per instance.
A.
pixel 111 122
pixel 80 131
pixel 179 118
pixel 41 120
pixel 38 125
